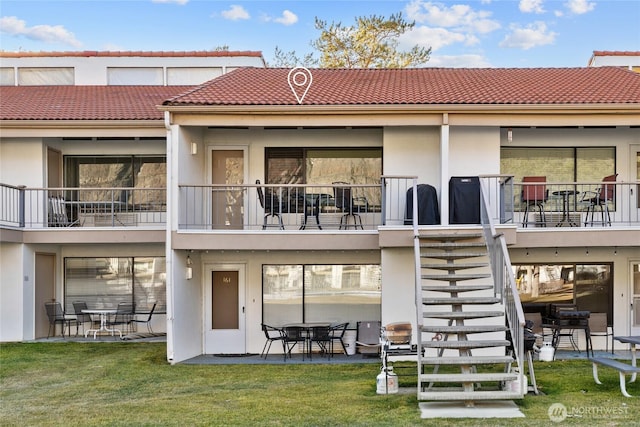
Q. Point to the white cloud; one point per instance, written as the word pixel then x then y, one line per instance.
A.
pixel 287 18
pixel 235 13
pixel 535 34
pixel 436 38
pixel 178 2
pixel 458 61
pixel 580 7
pixel 46 33
pixel 531 6
pixel 461 18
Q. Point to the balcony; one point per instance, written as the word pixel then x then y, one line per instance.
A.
pixel 63 208
pixel 316 208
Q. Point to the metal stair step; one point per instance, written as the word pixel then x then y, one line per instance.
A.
pixel 466 344
pixel 466 360
pixel 455 277
pixel 469 395
pixel 468 378
pixel 458 266
pixel 453 245
pixel 452 255
pixel 461 300
pixel 451 236
pixel 465 288
pixel 467 329
pixel 462 314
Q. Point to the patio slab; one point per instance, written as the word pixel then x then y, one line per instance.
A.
pixel 482 409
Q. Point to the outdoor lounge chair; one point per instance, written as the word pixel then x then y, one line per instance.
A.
pixel 368 337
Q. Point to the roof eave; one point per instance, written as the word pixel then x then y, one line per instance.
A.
pixel 72 128
pixel 618 108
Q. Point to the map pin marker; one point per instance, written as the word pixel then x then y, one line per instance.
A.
pixel 300 80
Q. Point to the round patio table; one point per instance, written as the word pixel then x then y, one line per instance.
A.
pixel 103 313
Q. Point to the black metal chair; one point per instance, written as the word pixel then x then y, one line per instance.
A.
pixel 272 334
pixel 321 335
pixel 293 335
pixel 81 317
pixel 345 203
pixel 56 315
pixel 272 207
pixel 123 316
pixel 147 320
pixel 337 334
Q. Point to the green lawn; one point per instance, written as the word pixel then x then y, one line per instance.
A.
pixel 83 384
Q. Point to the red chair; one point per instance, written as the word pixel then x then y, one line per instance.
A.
pixel 534 195
pixel 601 198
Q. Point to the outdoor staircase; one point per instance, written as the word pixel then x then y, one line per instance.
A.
pixel 463 326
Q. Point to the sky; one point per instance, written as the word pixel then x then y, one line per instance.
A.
pixel 461 33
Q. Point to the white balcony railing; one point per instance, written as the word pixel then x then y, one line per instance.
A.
pixel 31 208
pixel 323 207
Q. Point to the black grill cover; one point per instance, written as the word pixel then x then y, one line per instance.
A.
pixel 428 210
pixel 464 200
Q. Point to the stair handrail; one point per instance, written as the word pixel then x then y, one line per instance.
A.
pixel 417 271
pixel 504 280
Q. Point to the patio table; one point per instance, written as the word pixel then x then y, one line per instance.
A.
pixel 634 342
pixel 306 327
pixel 566 219
pixel 103 313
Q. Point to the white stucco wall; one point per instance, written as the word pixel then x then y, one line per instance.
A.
pixel 22 162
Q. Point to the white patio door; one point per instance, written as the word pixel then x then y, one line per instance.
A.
pixel 224 320
pixel 635 297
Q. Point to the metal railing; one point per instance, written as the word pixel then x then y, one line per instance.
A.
pixel 280 207
pixel 576 204
pixel 503 278
pixel 82 207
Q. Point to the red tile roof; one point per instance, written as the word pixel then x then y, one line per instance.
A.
pixel 454 86
pixel 87 53
pixel 84 102
pixel 615 53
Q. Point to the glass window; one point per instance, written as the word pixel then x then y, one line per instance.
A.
pixel 320 293
pixel 558 164
pixel 587 286
pixel 105 282
pixel 46 76
pixel 119 172
pixel 322 166
pixel 135 76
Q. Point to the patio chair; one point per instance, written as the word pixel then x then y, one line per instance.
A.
pixel 337 334
pixel 321 335
pixel 368 337
pixel 534 195
pixel 272 334
pixel 599 327
pixel 345 203
pixel 58 213
pixel 81 317
pixel 293 335
pixel 600 198
pixel 147 320
pixel 123 316
pixel 272 206
pixel 56 315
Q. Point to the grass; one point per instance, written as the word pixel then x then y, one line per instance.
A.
pixel 92 384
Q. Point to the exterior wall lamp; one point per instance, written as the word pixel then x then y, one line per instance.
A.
pixel 189 273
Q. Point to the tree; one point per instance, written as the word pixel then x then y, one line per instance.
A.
pixel 290 59
pixel 371 43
